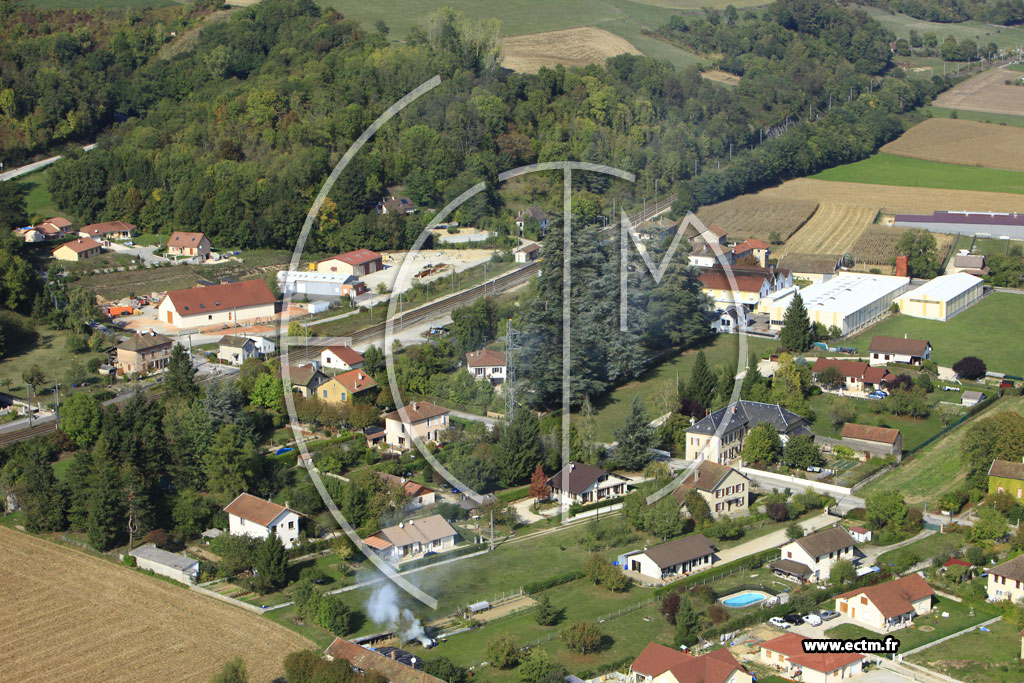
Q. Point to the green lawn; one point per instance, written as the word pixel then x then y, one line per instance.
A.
pixel 960 337
pixel 657 388
pixel 936 468
pixel 1004 36
pixel 60 468
pixel 49 353
pixel 983 245
pixel 38 201
pixel 927 627
pixel 931 546
pixel 978 657
pixel 984 117
pixel 889 169
pixel 148 240
pixel 915 430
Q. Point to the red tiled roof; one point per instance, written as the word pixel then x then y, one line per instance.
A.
pixel 894 598
pixel 221 297
pixel 719 280
pixel 365 659
pixel 791 645
pixel 254 509
pixel 416 411
pixel 756 243
pixel 57 222
pixel 356 381
pixel 97 229
pixel 485 358
pixel 856 369
pixel 355 258
pixel 858 529
pixel 898 345
pixel 656 659
pixel 410 488
pixel 716 230
pixel 705 477
pixel 346 353
pixel 870 433
pixel 713 667
pixel 956 562
pixel 183 240
pixel 80 245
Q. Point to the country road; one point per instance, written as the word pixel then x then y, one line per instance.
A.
pixel 35 166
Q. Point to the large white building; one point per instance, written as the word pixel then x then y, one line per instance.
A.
pixel 232 303
pixel 943 297
pixel 319 286
pixel 849 301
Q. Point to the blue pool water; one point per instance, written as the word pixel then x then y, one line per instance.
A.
pixel 745 599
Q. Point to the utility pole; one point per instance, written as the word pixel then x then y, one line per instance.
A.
pixel 492 530
pixel 56 401
pixel 28 394
pixel 511 348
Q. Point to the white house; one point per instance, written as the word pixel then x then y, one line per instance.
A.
pixel 417 420
pixel 235 350
pixel 341 358
pixel 816 553
pixel 884 350
pixel 412 537
pixel 887 605
pixel 487 364
pixel 231 303
pixel 581 483
pixel 264 347
pixel 668 560
pixel 172 565
pixel 249 515
pixel 860 534
pixel 786 653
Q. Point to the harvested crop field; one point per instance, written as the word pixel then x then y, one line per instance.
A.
pixel 571 47
pixel 956 141
pixel 70 616
pixel 833 229
pixel 876 246
pixel 721 76
pixel 985 92
pixel 893 199
pixel 758 215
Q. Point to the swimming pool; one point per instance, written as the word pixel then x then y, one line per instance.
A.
pixel 745 599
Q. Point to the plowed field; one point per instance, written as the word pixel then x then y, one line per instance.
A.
pixel 955 141
pixel 833 229
pixel 571 47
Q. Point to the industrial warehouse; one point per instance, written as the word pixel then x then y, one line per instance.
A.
pixel 848 301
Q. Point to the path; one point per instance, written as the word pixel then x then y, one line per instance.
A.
pixel 872 553
pixel 774 539
pixel 34 166
pixel 491 422
pixel 949 637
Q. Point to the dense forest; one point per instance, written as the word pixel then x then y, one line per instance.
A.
pixel 235 135
pixel 1003 12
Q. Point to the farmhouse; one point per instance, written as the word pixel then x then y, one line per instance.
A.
pixel 668 560
pixel 754 247
pixel 317 286
pixel 235 350
pixel 745 285
pixel 581 483
pixel 817 268
pixel 415 536
pixel 417 420
pixel 1005 476
pixel 872 441
pixel 355 263
pixel 400 206
pixel 973 264
pixel 660 664
pixel 706 440
pixel 188 244
pixel 305 379
pixel 417 494
pixel 235 302
pixel 487 364
pixel 786 653
pixel 703 255
pixel 77 250
pixel 249 515
pixel 111 230
pixel 725 490
pixel 528 252
pixel 943 297
pixel 885 350
pixel 178 567
pixel 392 665
pixel 848 301
pixel 965 222
pixel 347 387
pixel 143 353
pixel 818 552
pixel 888 605
pixel 534 213
pixel 341 357
pixel 972 398
pixel 857 375
pixel 264 346
pixel 50 229
pixel 1006 581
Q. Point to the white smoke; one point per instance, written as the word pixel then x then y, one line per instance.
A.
pixel 383 608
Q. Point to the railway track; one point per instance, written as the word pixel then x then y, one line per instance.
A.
pixel 7 438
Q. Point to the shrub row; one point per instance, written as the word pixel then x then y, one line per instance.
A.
pixel 458 552
pixel 551 582
pixel 577 508
pixel 509 495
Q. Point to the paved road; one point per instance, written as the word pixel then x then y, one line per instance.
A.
pixel 35 166
pixel 491 422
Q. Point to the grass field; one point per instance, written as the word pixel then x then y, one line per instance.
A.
pixel 833 229
pixel 959 337
pixel 1004 36
pixel 51 354
pixel 755 215
pixel 657 388
pixel 38 201
pixel 888 169
pixel 936 468
pixel 987 246
pixel 984 117
pixel 978 657
pixel 967 143
pixel 114 624
pixel 915 430
pixel 930 546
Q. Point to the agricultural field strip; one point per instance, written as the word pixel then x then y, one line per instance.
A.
pixel 574 47
pixel 759 215
pixel 833 229
pixel 967 143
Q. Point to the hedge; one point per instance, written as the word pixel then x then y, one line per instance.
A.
pixel 751 562
pixel 509 495
pixel 576 508
pixel 551 582
pixel 458 552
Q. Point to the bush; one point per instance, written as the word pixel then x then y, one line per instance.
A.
pixel 970 367
pixel 777 511
pixel 718 613
pixel 503 652
pixel 582 637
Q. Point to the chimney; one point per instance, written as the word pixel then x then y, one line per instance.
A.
pixel 572 466
pixel 401 525
pixel 696 475
pixel 411 522
pixel 393 655
pixel 902 266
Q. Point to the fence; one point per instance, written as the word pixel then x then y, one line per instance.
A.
pixel 789 481
pixel 975 409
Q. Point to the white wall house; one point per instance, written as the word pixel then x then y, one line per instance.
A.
pixel 249 515
pixel 888 605
pixel 341 358
pixel 819 551
pixel 487 364
pixel 419 419
pixel 581 483
pixel 264 346
pixel 172 565
pixel 668 560
pixel 1006 581
pixel 413 537
pixel 228 304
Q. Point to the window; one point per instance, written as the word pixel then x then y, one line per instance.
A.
pixel 789 555
pixel 863 600
pixel 325 393
pixel 291 524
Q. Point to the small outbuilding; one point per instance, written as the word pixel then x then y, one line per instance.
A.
pixel 972 398
pixel 872 441
pixel 172 565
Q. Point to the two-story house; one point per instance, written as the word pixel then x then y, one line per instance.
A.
pixel 188 244
pixel 815 554
pixel 341 357
pixel 249 515
pixel 144 353
pixel 759 249
pixel 581 483
pixel 305 379
pixel 1005 476
pixel 347 387
pixel 487 364
pixel 857 375
pixel 235 350
pixel 726 491
pixel 709 439
pixel 419 419
pixel 1006 581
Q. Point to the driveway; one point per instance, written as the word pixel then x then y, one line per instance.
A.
pixel 146 254
pixel 774 539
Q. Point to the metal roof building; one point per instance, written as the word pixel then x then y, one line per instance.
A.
pixel 849 301
pixel 943 297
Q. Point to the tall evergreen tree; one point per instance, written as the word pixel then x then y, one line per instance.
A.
pixel 104 524
pixel 180 375
pixel 78 477
pixel 229 461
pixel 271 565
pixel 753 387
pixel 797 333
pixel 686 623
pixel 518 450
pixel 41 495
pixel 702 384
pixel 635 439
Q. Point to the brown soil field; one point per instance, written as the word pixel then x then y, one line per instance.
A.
pixel 721 76
pixel 957 141
pixel 758 215
pixel 571 47
pixel 986 92
pixel 876 246
pixel 833 229
pixel 69 616
pixel 893 199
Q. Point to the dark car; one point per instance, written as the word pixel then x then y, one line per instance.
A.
pixel 794 619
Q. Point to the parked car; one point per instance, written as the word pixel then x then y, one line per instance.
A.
pixel 828 614
pixel 812 619
pixel 778 622
pixel 813 468
pixel 793 619
pixel 877 394
pixel 951 388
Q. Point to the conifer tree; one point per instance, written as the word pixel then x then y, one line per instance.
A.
pixel 796 334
